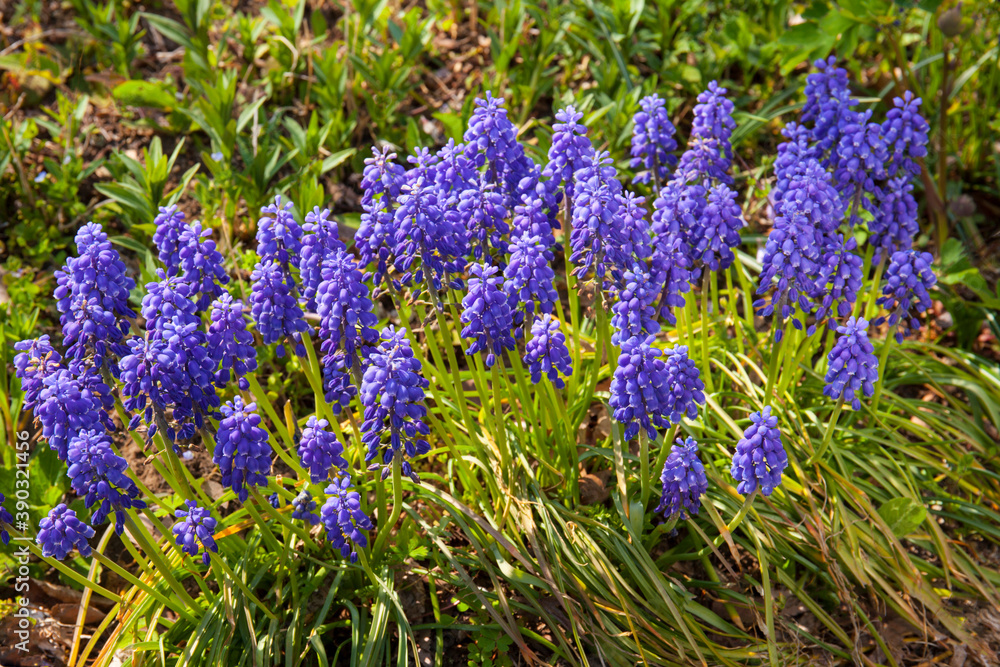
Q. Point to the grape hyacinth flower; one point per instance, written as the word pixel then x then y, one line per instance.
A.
pixel 167 237
pixel 99 475
pixel 229 342
pixel 860 160
pixel 684 480
pixel 35 361
pixel 428 245
pixel 60 532
pixel 242 450
pixel 570 150
pixel 683 385
pixel 828 103
pixel 480 211
pixel 66 406
pixel 491 142
pixel 381 184
pixel 5 520
pixel 759 458
pixel 275 310
pixel 195 530
pixel 201 264
pixel 720 229
pixel 908 279
pixel 679 211
pixel 640 397
pixel 319 450
pixel 839 279
pixel 302 508
pixel 486 314
pixel 905 133
pixel 853 364
pixel 454 173
pixel 672 261
pixel 653 141
pixel 546 352
pixel 529 278
pixel 279 237
pixel 346 315
pixel 532 219
pixel 633 314
pixel 338 389
pixel 894 224
pixel 392 394
pixel 344 519
pixel 92 295
pixel 710 152
pixel 598 238
pixel 322 239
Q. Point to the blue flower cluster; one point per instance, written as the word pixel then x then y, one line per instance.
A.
pixel 392 394
pixel 99 475
pixel 683 478
pixel 66 406
pixel 653 142
pixel 760 457
pixel 908 279
pixel 546 352
pixel 242 450
pixel 229 341
pixel 428 245
pixel 529 277
pixel 36 361
pixel 486 314
pixel 320 450
pixel 195 531
pixel 634 315
pixel 92 292
pixel 201 264
pixel 274 308
pixel 60 532
pixel 344 519
pixel 346 317
pixel 571 151
pixel 169 226
pixel 321 239
pixel 302 508
pixel 381 184
pixel 5 520
pixel 853 365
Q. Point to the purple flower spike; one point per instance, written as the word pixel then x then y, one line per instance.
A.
pixel 894 224
pixel 346 315
pixel 92 295
pixel 640 395
pixel 672 261
pixel 381 184
pixel 546 352
pixel 392 394
pixel 61 532
pixel 427 242
pixel 169 227
pixel 839 279
pixel 684 480
pixel 242 450
pixel 571 150
pixel 853 364
pixel 905 133
pixel 302 508
pixel 229 342
pixel 828 103
pixel 279 237
pixel 486 314
pixel 37 359
pixel 201 264
pixel 720 231
pixel 529 278
pixel 274 309
pixel 491 142
pixel 908 279
pixel 653 141
pixel 66 406
pixel 683 382
pixel 634 315
pixel 320 450
pixel 760 458
pixel 480 211
pixel 195 530
pixel 322 239
pixel 99 475
pixel 344 519
pixel 5 520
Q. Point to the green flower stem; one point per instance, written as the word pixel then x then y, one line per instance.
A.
pixel 569 461
pixel 217 561
pixel 871 308
pixel 747 289
pixel 397 504
pixel 705 329
pixel 772 651
pixel 731 309
pixel 505 455
pixel 146 588
pixel 776 352
pixel 278 515
pixel 157 464
pixel 644 481
pixel 831 425
pixel 883 358
pixel 576 349
pixel 314 373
